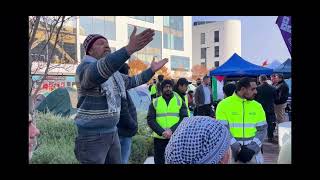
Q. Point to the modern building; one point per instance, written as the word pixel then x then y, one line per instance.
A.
pixel 214 42
pixel 172 40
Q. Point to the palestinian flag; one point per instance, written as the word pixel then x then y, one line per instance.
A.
pixel 217 87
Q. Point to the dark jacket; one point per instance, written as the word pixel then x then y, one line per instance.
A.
pixel 151 118
pixel 282 92
pixel 266 96
pixel 199 96
pixel 182 95
pixel 128 124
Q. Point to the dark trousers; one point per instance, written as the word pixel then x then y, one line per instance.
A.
pixel 205 110
pixel 159 149
pixel 271 119
pixel 98 149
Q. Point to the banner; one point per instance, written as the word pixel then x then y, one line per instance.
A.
pixel 284 24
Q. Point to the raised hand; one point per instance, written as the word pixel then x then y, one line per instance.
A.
pixel 155 66
pixel 139 41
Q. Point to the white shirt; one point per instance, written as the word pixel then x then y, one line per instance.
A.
pixel 206 94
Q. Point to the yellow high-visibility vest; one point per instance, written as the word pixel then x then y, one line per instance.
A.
pixel 167 115
pixel 153 89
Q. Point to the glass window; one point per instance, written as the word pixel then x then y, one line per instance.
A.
pixel 216 51
pixel 203 53
pixel 104 25
pixel 110 27
pixel 86 24
pixel 203 35
pixel 216 36
pixel 82 50
pixel 144 18
pixel 178 43
pixel 166 21
pixel 154 48
pixel 173 32
pixel 178 62
pixel 216 64
pixel 98 25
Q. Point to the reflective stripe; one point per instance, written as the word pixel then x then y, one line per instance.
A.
pixel 256 140
pixel 155 104
pixel 168 114
pixel 178 100
pixel 245 142
pixel 233 140
pixel 261 123
pixel 224 122
pixel 240 125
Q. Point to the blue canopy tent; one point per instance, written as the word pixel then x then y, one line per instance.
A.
pixel 284 68
pixel 238 67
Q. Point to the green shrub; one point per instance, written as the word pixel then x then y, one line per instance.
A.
pixel 56 140
pixel 139 150
pixel 150 146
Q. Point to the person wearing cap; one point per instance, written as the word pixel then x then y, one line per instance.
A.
pixel 281 98
pixel 246 120
pixel 164 115
pixel 203 98
pixel 266 95
pixel 181 88
pixel 199 140
pixel 101 90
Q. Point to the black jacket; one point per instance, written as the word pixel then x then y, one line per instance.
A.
pixel 151 118
pixel 282 92
pixel 128 125
pixel 266 97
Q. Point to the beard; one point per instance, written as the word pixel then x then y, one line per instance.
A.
pixel 250 98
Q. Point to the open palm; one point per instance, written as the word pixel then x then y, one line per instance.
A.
pixel 155 66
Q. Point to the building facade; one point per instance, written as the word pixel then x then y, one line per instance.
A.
pixel 172 40
pixel 215 42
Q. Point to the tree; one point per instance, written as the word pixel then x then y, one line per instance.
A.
pixel 180 72
pixel 164 71
pixel 136 66
pixel 198 71
pixel 44 30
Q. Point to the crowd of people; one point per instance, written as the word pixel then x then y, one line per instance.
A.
pixel 187 127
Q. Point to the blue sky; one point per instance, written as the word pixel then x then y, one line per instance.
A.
pixel 260 37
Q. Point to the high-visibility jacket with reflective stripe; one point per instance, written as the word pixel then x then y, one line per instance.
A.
pixel 167 115
pixel 153 89
pixel 241 115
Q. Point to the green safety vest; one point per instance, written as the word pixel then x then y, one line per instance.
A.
pixel 243 117
pixel 167 115
pixel 153 89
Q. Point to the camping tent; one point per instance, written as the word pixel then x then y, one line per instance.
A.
pixel 284 68
pixel 236 66
pixel 57 102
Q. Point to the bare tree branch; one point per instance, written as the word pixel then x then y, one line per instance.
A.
pixel 51 55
